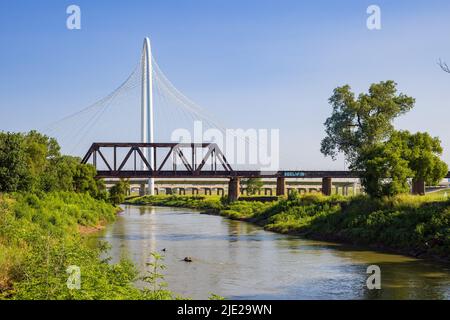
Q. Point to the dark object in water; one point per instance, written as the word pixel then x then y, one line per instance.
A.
pixel 187 259
pixel 164 250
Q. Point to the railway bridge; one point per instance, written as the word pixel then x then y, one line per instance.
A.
pixel 195 160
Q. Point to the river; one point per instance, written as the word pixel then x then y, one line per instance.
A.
pixel 239 260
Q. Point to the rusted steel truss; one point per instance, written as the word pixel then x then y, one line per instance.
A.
pixel 182 155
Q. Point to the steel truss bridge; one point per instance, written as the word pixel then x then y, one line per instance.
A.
pixel 182 158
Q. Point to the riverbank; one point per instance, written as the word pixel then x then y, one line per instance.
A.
pixel 42 235
pixel 411 225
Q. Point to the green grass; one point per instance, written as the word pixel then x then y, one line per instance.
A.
pixel 40 239
pixel 415 225
pixel 442 192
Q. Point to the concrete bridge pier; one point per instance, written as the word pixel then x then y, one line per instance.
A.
pixel 418 187
pixel 168 190
pixel 142 190
pixel 234 189
pixel 207 191
pixel 194 191
pixel 182 191
pixel 220 192
pixel 267 191
pixel 327 186
pixel 281 186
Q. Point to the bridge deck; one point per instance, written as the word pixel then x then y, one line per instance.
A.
pixel 223 174
pixel 143 174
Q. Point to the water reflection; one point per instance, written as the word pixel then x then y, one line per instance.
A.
pixel 242 261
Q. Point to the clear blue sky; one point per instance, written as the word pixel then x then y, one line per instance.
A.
pixel 253 63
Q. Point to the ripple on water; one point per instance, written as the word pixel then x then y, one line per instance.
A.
pixel 242 261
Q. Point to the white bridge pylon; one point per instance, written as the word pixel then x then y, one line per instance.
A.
pixel 147 124
pixel 146 85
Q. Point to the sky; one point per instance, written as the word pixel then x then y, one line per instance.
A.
pixel 252 64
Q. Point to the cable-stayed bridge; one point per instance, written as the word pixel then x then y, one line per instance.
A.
pixel 163 115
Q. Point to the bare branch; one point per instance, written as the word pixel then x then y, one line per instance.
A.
pixel 444 66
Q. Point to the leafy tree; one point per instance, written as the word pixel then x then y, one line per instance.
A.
pixel 14 171
pixel 102 193
pixel 59 174
pixel 360 127
pixel 84 180
pixel 359 123
pixel 386 167
pixel 253 185
pixel 383 169
pixel 422 153
pixel 40 150
pixel 118 192
pixel 32 162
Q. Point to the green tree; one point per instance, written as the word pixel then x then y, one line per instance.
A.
pixel 15 174
pixel 32 162
pixel 102 193
pixel 360 127
pixel 40 150
pixel 253 185
pixel 118 192
pixel 69 174
pixel 359 123
pixel 383 170
pixel 59 174
pixel 422 152
pixel 386 167
pixel 84 180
